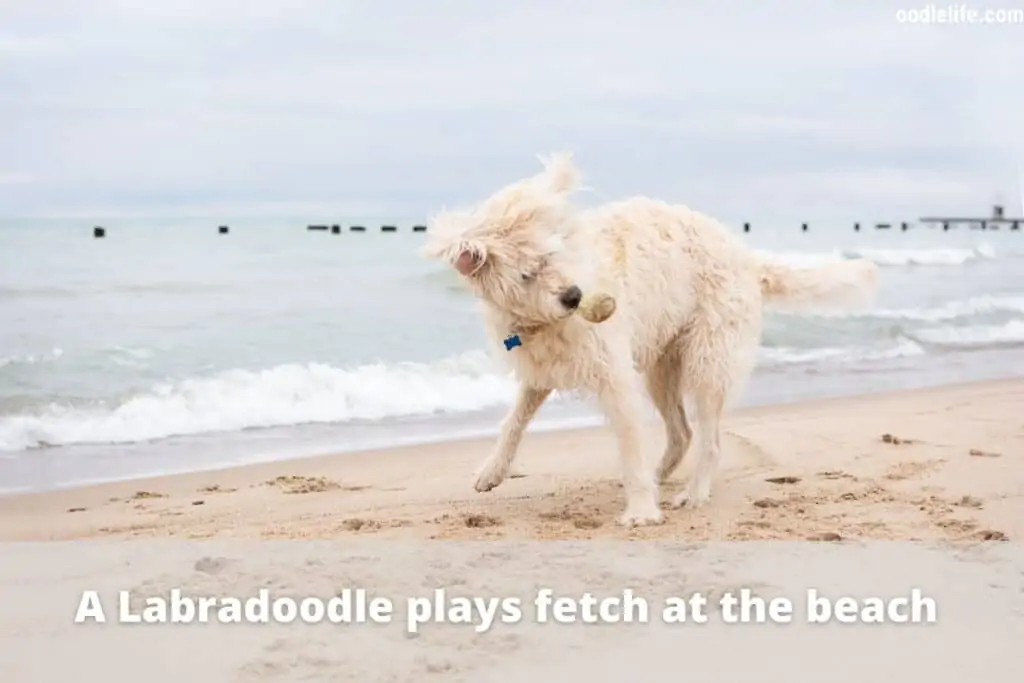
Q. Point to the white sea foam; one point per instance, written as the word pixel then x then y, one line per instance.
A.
pixel 979 305
pixel 283 395
pixel 32 358
pixel 941 256
pixel 903 348
pixel 985 304
pixel 950 256
pixel 313 393
pixel 1011 332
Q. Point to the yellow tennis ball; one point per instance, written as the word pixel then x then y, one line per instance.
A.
pixel 596 308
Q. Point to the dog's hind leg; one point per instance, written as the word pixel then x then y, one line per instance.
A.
pixel 498 465
pixel 718 359
pixel 709 416
pixel 664 384
pixel 622 403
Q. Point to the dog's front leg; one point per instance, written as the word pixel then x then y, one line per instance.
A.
pixel 621 403
pixel 494 470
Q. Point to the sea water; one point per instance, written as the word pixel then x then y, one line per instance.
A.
pixel 168 347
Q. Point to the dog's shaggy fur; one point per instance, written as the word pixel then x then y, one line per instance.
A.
pixel 690 296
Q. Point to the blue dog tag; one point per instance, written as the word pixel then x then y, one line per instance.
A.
pixel 512 342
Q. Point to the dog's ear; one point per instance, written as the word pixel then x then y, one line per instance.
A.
pixel 470 258
pixel 560 173
pixel 467 257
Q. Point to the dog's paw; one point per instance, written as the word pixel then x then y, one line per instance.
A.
pixel 489 477
pixel 693 496
pixel 641 515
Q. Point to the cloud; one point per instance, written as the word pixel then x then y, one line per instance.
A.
pixel 15 177
pixel 793 111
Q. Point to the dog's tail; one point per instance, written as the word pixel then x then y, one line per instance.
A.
pixel 842 285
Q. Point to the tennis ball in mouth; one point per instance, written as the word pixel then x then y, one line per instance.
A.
pixel 596 308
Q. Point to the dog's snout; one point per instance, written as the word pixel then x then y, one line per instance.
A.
pixel 571 297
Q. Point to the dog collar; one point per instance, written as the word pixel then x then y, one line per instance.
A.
pixel 516 332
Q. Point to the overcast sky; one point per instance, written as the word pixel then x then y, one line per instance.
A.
pixel 748 110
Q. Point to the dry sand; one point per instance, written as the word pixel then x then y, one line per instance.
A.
pixel 943 466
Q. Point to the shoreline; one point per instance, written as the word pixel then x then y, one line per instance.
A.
pixel 844 471
pixel 74 466
pixel 458 436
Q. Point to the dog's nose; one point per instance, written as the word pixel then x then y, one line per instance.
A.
pixel 571 297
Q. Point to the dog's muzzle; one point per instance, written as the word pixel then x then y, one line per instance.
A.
pixel 571 298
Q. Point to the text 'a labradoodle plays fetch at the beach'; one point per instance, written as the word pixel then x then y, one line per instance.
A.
pixel 358 606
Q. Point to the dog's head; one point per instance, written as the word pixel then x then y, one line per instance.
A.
pixel 518 249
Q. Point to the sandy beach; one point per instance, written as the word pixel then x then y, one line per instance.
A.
pixel 944 463
pixel 244 395
pixel 942 467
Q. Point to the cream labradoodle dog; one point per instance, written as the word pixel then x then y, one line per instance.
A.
pixel 689 300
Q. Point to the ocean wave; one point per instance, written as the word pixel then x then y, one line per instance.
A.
pixel 953 310
pixel 949 256
pixel 129 356
pixel 32 358
pixel 781 356
pixel 940 256
pixel 311 393
pixel 985 304
pixel 279 396
pixel 170 288
pixel 978 336
pixel 296 394
pixel 41 292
